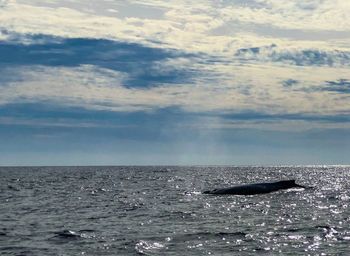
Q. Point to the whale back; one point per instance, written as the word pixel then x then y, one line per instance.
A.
pixel 288 184
pixel 257 188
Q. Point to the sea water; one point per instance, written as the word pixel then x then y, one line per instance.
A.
pixel 161 211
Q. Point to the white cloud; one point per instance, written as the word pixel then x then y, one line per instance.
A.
pixel 184 25
pixel 257 88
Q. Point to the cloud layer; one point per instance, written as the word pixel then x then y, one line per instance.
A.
pixel 264 56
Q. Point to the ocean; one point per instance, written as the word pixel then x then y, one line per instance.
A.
pixel 161 211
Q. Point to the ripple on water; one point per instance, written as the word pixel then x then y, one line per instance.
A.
pixel 160 211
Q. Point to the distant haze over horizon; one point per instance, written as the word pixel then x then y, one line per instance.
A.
pixel 136 82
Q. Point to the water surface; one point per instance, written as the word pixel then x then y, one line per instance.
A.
pixel 160 211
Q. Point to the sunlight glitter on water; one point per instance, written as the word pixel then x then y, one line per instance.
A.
pixel 160 211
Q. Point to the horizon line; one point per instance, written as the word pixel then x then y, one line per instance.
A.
pixel 181 165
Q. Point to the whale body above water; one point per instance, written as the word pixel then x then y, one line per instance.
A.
pixel 257 188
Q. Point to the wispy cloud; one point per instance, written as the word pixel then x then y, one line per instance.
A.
pixel 192 23
pixel 97 88
pixel 304 57
pixel 341 86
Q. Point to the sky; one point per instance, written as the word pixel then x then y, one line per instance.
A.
pixel 209 82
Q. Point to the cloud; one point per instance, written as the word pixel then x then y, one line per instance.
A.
pixel 118 9
pixel 92 87
pixel 341 86
pixel 289 82
pixel 144 65
pixel 169 54
pixel 154 81
pixel 300 14
pixel 170 120
pixel 182 26
pixel 271 30
pixel 305 57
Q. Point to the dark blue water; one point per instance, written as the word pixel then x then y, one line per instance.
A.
pixel 160 211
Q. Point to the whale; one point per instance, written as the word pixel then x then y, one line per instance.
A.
pixel 254 189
